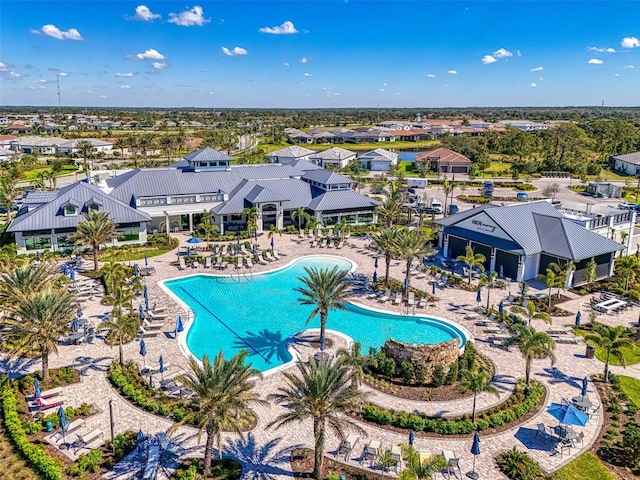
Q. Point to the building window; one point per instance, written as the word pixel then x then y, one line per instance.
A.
pixel 236 218
pixel 37 243
pixel 94 207
pixel 364 218
pixel 183 200
pixel 211 198
pixel 127 234
pixel 65 241
pixel 70 210
pixel 152 202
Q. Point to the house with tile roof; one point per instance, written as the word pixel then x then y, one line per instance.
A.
pixel 443 160
pixel 521 240
pixel 47 220
pixel 335 157
pixel 378 160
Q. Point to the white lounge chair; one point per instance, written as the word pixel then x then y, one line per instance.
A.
pixel 422 303
pixel 207 262
pixel 87 439
pixel 249 262
pixel 267 256
pixel 223 251
pixel 324 243
pixel 398 298
pixel 386 296
pixel 411 300
pixel 143 332
pixel 275 255
pixel 152 325
pixel 181 264
pixel 314 243
pixel 239 262
pixel 261 260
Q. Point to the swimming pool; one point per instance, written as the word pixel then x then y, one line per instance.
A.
pixel 260 313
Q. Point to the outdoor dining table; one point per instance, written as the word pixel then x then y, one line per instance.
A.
pixel 582 402
pixel 565 433
pixel 609 305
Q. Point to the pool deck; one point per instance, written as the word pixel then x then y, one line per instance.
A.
pixel 265 452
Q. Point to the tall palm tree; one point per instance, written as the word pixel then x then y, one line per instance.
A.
pixel 85 149
pixel 477 381
pixel 356 361
pixel 552 277
pixel 628 268
pixel 223 398
pixel 252 215
pixel 121 295
pixel 318 391
pixel 114 274
pixel 488 280
pixel 273 231
pixel 532 344
pixel 19 283
pixel 386 242
pixel 530 312
pixel 409 245
pixel 312 224
pixel 447 188
pixel 390 211
pixel 302 216
pixel 324 289
pixel 121 329
pixel 37 323
pixel 7 194
pixel 121 143
pixel 473 260
pixel 96 229
pixel 417 468
pixel 611 340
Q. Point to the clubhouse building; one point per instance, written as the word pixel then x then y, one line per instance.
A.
pixel 521 240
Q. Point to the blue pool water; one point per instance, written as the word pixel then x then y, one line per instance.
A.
pixel 260 312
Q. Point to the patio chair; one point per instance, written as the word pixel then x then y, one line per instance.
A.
pixel 370 452
pixel 267 256
pixel 218 263
pixel 262 260
pixel 564 446
pixel 398 298
pixel 72 427
pixel 207 262
pixel 301 234
pixel 249 262
pixel 143 332
pixel 571 339
pixel 386 296
pixel 152 325
pixel 84 440
pixel 54 392
pixel 347 445
pixel 181 264
pixel 52 402
pixel 324 243
pixel 340 243
pixel 243 250
pixel 275 255
pixel 422 303
pixel 542 430
pixel 314 243
pixel 239 262
pixel 223 252
pixel 595 411
pixel 411 301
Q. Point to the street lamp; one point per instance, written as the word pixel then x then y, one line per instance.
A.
pixel 112 424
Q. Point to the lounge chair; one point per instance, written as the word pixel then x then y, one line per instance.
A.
pixel 207 262
pixel 411 300
pixel 386 296
pixel 572 339
pixel 377 294
pixel 314 243
pixel 249 262
pixel 72 427
pixel 269 257
pixel 152 325
pixel 301 234
pixel 155 315
pixel 275 255
pixel 143 332
pixel 324 243
pixel 310 234
pixel 370 452
pixel 422 303
pixel 340 243
pixel 558 330
pixel 218 263
pixel 239 262
pixel 331 243
pixel 88 438
pixel 243 250
pixel 223 251
pixel 398 298
pixel 195 264
pixel 54 392
pixel 52 402
pixel 262 261
pixel 181 264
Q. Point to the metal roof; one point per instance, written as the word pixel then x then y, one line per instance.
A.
pixel 479 237
pixel 298 195
pixel 291 152
pixel 380 154
pixel 326 177
pixel 340 200
pixel 51 215
pixel 260 194
pixel 632 158
pixel 207 154
pixel 335 153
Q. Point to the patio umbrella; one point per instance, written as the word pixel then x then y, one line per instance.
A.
pixel 475 451
pixel 256 235
pixel 253 248
pixel 63 423
pixel 523 289
pixel 585 384
pixel 146 260
pixel 145 293
pixel 36 389
pixel 136 270
pixel 143 351
pixel 501 307
pixel 375 264
pixel 272 243
pixel 215 249
pixel 412 437
pixel 233 250
pixel 179 328
pixel 433 288
pixel 479 296
pixel 578 317
pixel 65 269
pixel 141 312
pixel 238 238
pixel 161 365
pixel 501 272
pixel 375 276
pixel 37 255
pixel 194 241
pixel 406 284
pixel 75 325
pixel 568 414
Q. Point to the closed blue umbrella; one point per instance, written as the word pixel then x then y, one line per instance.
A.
pixel 136 270
pixel 143 348
pixel 75 325
pixel 523 289
pixel 256 235
pixel 65 269
pixel 578 317
pixel 238 238
pixel 406 284
pixel 161 366
pixel 141 312
pixel 253 248
pixel 140 441
pixel 272 243
pixel 375 276
pixel 433 288
pixel 36 389
pixel 501 307
pixel 146 260
pixel 63 423
pixel 568 414
pixel 412 437
pixel 72 273
pixel 585 384
pixel 375 263
pixel 475 451
pixel 145 293
pixel 179 327
pixel 479 296
pixel 37 255
pixel 215 249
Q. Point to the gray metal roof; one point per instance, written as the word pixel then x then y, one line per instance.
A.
pixel 633 158
pixel 335 153
pixel 340 200
pixel 51 216
pixel 207 154
pixel 298 194
pixel 260 194
pixel 380 154
pixel 304 165
pixel 326 177
pixel 291 152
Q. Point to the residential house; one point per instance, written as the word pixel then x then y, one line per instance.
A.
pixel 290 154
pixel 378 160
pixel 335 157
pixel 628 163
pixel 443 160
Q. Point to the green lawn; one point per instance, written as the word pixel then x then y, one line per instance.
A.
pixel 631 355
pixel 33 174
pixel 630 386
pixel 359 147
pixel 129 255
pixel 587 462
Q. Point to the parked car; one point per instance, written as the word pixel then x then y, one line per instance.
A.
pixel 453 209
pixel 627 206
pixel 411 190
pixel 437 206
pixel 523 196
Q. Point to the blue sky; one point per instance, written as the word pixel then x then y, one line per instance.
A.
pixel 327 54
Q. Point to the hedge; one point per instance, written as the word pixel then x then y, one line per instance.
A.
pixel 515 407
pixel 49 467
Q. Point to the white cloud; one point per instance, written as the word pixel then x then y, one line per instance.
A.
pixel 159 65
pixel 533 85
pixel 103 96
pixel 430 75
pixel 537 69
pixel 144 14
pixel 124 75
pixel 287 28
pixel 42 80
pixel 502 53
pixel 285 64
pixel 628 66
pixel 602 49
pixel 306 74
pixel 616 74
pixel 304 60
pixel 382 89
pixel 189 18
pixel 595 61
pixel 54 32
pixel 125 87
pixel 37 87
pixel 630 42
pixel 488 59
pixel 151 54
pixel 452 72
pixel 235 52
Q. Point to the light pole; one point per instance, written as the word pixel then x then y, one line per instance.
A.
pixel 112 424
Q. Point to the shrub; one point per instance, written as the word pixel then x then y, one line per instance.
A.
pixel 438 376
pixel 631 444
pixel 518 465
pixel 188 474
pixel 406 372
pixel 452 374
pixel 89 461
pixel 420 373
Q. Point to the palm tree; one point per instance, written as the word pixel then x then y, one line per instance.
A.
pixel 611 340
pixel 356 361
pixel 530 312
pixel 532 344
pixel 628 268
pixel 312 224
pixel 145 143
pixel 318 392
pixel 473 260
pixel 121 329
pixel 417 468
pixel 37 322
pixel 121 143
pixel 252 215
pixel 488 280
pixel 447 189
pixel 302 216
pixel 85 149
pixel 409 245
pixel 7 194
pixel 21 282
pixel 96 229
pixel 386 242
pixel 477 381
pixel 553 277
pixel 119 296
pixel 273 231
pixel 223 398
pixel 324 289
pixel 114 274
pixel 390 211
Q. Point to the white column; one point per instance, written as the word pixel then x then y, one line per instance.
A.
pixel 492 263
pixel 191 222
pixel 520 274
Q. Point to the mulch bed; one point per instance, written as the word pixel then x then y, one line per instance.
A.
pixel 302 466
